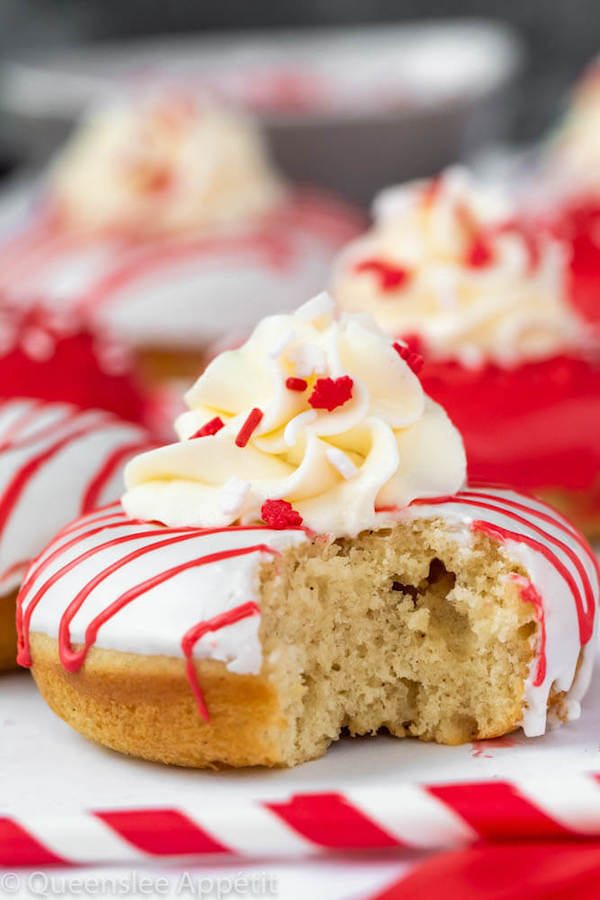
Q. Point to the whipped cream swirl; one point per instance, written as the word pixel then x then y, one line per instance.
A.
pixel 447 261
pixel 160 164
pixel 572 156
pixel 324 414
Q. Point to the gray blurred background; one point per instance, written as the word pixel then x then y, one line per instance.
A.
pixel 559 38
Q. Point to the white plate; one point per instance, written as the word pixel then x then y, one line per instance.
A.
pixel 46 767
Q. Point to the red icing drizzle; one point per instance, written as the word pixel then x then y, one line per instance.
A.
pixel 275 250
pixel 13 569
pixel 22 477
pixel 191 638
pixel 35 435
pixel 108 469
pixel 21 424
pixel 71 426
pixel 390 277
pixel 71 659
pixel 115 506
pixel 530 594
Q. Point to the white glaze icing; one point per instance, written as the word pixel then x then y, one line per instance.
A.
pixel 182 291
pixel 563 643
pixel 49 491
pixel 156 621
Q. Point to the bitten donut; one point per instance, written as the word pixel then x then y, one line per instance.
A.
pixel 306 560
pixel 57 459
pixel 481 299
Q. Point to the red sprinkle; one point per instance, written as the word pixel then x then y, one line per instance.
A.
pixel 479 253
pixel 245 432
pixel 413 360
pixel 280 514
pixel 209 428
pixel 432 189
pixel 329 393
pixel 159 181
pixel 391 277
pixel 413 341
pixel 296 384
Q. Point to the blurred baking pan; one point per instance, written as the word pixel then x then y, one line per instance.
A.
pixel 352 108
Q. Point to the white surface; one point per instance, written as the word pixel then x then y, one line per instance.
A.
pixel 46 768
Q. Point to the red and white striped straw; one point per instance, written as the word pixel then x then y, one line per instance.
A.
pixel 405 816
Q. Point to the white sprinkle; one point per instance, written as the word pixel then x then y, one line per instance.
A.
pixel 455 181
pixel 233 495
pixel 279 346
pixel 290 433
pixel 306 359
pixel 394 202
pixel 37 344
pixel 470 356
pixel 113 358
pixel 321 305
pixel 342 463
pixel 445 285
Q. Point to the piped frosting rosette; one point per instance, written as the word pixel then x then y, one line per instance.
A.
pixel 448 261
pixel 321 420
pixel 161 163
pixel 572 156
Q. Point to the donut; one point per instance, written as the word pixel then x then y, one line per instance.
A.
pixel 306 561
pixel 254 646
pixel 65 396
pixel 482 302
pixel 164 222
pixel 56 461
